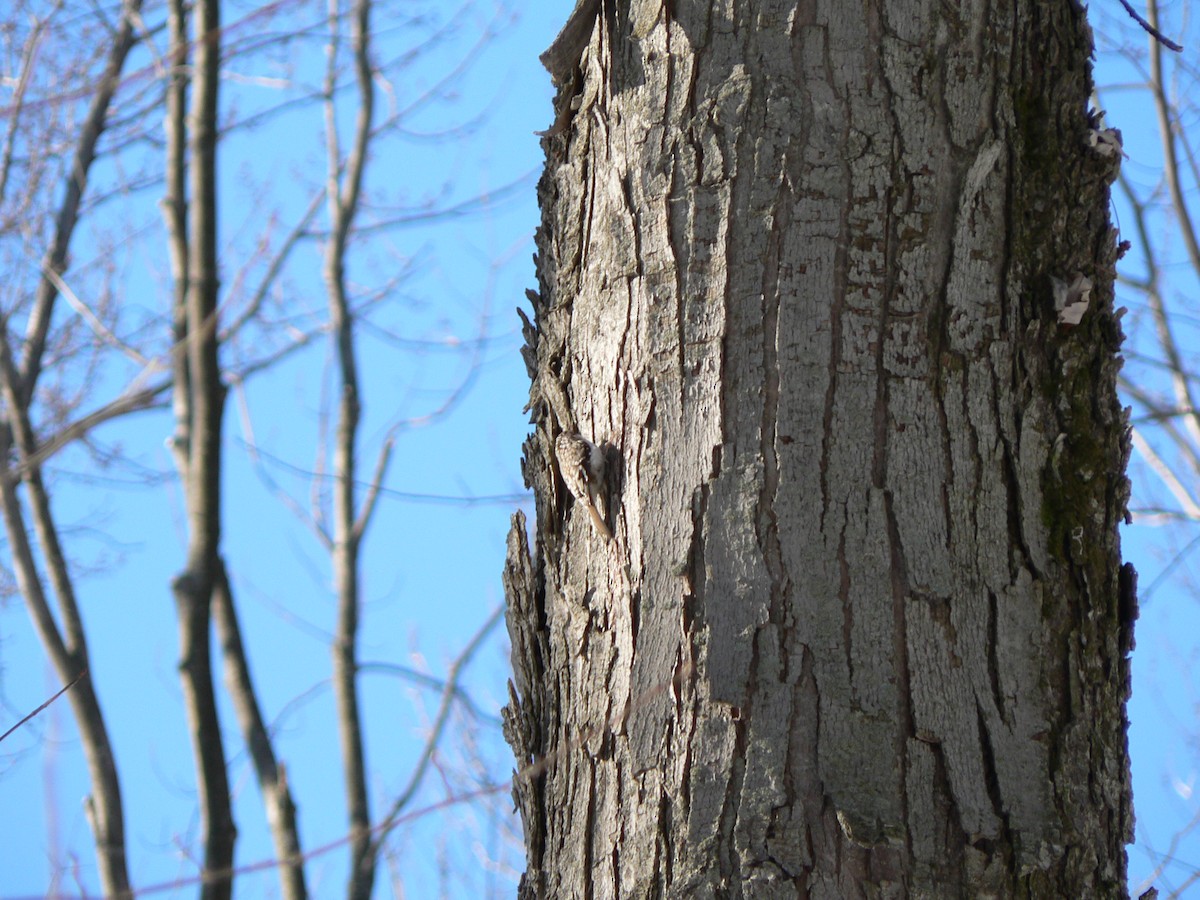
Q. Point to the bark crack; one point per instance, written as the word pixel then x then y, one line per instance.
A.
pixel 727 862
pixel 905 719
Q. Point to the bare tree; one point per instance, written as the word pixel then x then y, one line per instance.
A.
pixel 831 289
pixel 349 523
pixel 200 400
pixel 225 319
pixel 61 629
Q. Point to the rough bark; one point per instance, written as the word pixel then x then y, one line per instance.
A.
pixel 862 630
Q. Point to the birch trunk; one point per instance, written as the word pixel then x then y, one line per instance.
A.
pixel 862 629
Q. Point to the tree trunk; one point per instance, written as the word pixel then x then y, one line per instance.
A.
pixel 200 399
pixel 862 629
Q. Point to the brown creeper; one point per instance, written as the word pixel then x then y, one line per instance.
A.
pixel 582 465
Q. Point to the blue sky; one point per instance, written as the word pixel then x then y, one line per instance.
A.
pixel 433 567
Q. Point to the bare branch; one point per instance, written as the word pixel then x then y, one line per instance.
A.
pixel 25 67
pixel 101 330
pixel 85 154
pixel 272 775
pixel 343 198
pixel 67 649
pixel 439 724
pixel 1166 128
pixel 147 398
pixel 404 496
pixel 62 690
pixel 299 230
pixel 1150 29
pixel 256 459
pixel 1182 494
pixel 381 465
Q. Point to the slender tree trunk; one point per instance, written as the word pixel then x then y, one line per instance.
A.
pixel 343 200
pixel 175 217
pixel 862 628
pixel 271 772
pixel 199 401
pixel 67 649
pixel 61 629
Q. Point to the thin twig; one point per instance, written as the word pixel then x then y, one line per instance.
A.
pixel 1190 507
pixel 66 687
pixel 1151 30
pixel 439 724
pixel 406 496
